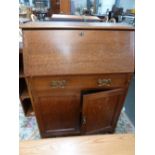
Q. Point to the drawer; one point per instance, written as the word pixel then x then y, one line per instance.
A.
pixel 79 82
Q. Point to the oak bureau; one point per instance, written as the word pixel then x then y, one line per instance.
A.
pixel 77 74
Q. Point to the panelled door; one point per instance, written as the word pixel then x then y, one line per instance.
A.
pixel 58 115
pixel 101 110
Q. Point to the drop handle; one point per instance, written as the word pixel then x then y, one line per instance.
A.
pixel 58 84
pixel 104 82
pixel 81 34
pixel 84 120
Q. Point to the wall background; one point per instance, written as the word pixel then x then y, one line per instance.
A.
pixel 126 4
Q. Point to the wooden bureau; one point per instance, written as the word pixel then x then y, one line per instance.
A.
pixel 77 74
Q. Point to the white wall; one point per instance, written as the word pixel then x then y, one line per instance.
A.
pixel 106 4
pixel 127 4
pixel 80 3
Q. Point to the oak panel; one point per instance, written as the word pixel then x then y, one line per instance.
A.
pixel 100 109
pixel 58 115
pixel 64 52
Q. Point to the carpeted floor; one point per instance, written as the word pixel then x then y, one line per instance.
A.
pixel 28 129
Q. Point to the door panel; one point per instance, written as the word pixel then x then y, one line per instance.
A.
pixel 58 115
pixel 101 109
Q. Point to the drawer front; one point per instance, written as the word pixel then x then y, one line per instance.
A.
pixel 61 83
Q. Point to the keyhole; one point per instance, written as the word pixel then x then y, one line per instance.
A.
pixel 81 34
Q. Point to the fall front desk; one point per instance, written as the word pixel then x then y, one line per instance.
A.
pixel 77 74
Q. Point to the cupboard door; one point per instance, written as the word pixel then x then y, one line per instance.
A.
pixel 58 115
pixel 101 110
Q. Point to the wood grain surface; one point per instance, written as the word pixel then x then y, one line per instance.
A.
pixel 71 52
pixel 76 25
pixel 54 7
pixel 79 82
pixel 58 115
pixel 100 108
pixel 65 6
pixel 61 60
pixel 87 145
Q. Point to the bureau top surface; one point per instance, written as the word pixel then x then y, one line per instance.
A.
pixel 76 25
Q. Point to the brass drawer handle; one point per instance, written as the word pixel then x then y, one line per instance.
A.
pixel 58 83
pixel 104 82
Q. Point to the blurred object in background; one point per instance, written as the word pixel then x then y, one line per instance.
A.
pixel 41 8
pixel 65 7
pixel 78 6
pixel 25 12
pixel 34 18
pixel 128 10
pixel 22 10
pixel 86 12
pixel 54 7
pixel 116 13
pixel 130 19
pixel 20 35
pixel 125 4
pixel 120 10
pixel 103 5
pixel 94 7
pixel 112 20
pixel 104 19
